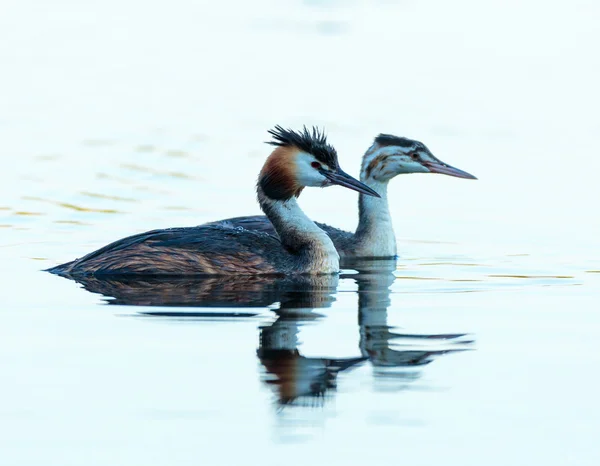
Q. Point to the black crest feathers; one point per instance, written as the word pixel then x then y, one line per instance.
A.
pixel 313 142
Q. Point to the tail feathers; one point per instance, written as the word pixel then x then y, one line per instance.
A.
pixel 62 269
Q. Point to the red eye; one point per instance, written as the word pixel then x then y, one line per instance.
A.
pixel 316 165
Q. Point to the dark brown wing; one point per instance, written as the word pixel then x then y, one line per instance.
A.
pixel 253 223
pixel 202 250
pixel 343 240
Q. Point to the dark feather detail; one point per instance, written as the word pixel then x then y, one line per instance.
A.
pixel 391 140
pixel 274 187
pixel 313 142
pixel 203 250
pixel 343 240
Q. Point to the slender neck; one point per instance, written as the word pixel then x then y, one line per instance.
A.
pixel 313 249
pixel 375 232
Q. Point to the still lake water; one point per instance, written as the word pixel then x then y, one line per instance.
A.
pixel 479 347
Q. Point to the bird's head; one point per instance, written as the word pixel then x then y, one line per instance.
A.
pixel 303 159
pixel 393 155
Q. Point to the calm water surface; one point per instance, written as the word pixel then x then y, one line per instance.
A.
pixel 478 347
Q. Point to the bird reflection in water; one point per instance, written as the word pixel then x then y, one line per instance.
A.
pixel 298 378
pixel 393 354
pixel 295 378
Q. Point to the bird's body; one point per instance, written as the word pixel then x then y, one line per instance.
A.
pixel 205 249
pixel 298 247
pixel 374 236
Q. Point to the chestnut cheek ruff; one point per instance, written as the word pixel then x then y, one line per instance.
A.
pixel 276 178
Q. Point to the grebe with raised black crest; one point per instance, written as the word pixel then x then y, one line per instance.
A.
pixel 300 159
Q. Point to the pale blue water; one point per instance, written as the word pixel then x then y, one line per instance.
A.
pixel 479 347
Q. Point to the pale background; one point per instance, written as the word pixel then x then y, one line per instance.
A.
pixel 122 116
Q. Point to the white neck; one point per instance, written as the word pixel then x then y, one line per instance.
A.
pixel 375 232
pixel 311 246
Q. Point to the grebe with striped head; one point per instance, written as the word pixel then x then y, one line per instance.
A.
pixel 374 237
pixel 300 159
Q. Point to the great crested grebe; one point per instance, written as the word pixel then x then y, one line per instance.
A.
pixel 374 237
pixel 299 159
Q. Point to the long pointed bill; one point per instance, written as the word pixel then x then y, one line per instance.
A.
pixel 444 169
pixel 343 179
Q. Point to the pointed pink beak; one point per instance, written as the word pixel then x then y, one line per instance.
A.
pixel 443 169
